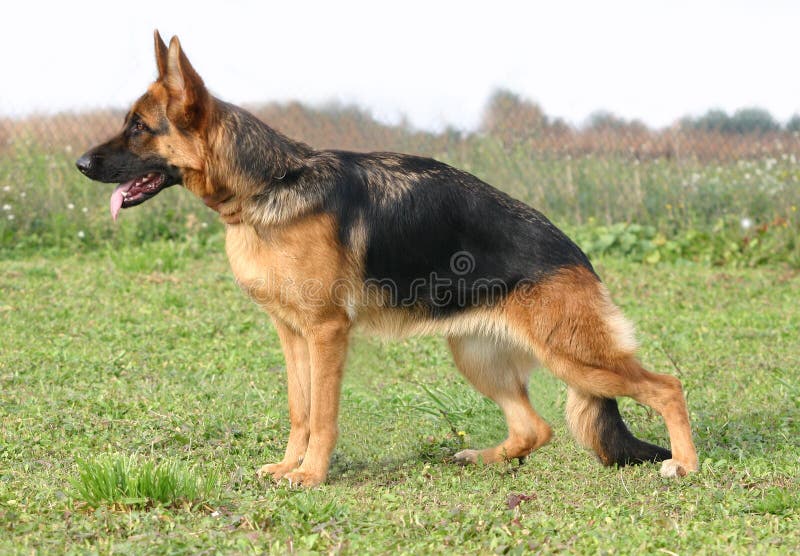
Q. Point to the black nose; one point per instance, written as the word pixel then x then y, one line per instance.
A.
pixel 84 164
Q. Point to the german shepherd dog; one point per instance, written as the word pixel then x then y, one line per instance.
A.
pixel 326 240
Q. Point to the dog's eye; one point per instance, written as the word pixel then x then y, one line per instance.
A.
pixel 138 127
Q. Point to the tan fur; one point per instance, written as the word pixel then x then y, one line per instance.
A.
pixel 489 322
pixel 398 187
pixel 186 151
pixel 161 54
pixel 582 414
pixel 582 339
pixel 499 370
pixel 297 271
pixel 298 371
pixel 290 271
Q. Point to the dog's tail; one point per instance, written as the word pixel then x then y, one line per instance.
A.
pixel 597 424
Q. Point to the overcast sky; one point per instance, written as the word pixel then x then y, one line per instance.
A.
pixel 434 62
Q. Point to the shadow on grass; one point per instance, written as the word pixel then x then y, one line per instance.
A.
pixel 390 469
pixel 747 436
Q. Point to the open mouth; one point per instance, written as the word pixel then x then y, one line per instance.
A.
pixel 136 191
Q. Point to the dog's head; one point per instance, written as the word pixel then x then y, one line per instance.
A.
pixel 163 140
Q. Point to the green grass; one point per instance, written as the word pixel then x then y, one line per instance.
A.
pixel 152 356
pixel 122 482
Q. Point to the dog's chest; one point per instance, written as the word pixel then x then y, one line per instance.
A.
pixel 290 271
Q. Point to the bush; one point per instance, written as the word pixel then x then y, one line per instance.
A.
pixel 726 244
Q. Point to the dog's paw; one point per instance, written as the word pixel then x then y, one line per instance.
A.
pixel 304 478
pixel 671 468
pixel 465 457
pixel 276 470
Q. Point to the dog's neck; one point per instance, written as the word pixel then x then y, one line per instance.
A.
pixel 247 154
pixel 274 179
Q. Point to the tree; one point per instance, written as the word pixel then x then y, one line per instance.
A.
pixel 713 120
pixel 743 121
pixel 605 120
pixel 753 120
pixel 793 124
pixel 512 118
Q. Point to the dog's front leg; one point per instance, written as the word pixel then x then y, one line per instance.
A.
pixel 298 378
pixel 327 348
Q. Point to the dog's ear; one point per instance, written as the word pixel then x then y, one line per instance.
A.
pixel 188 96
pixel 161 54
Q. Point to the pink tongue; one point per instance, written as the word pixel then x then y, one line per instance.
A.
pixel 117 198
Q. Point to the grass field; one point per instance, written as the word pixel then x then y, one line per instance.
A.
pixel 140 390
pixel 151 356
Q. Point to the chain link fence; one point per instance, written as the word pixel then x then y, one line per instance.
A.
pixel 514 122
pixel 693 175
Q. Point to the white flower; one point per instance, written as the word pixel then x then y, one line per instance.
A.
pixel 23 194
pixel 84 210
pixel 746 223
pixel 81 234
pixel 6 188
pixel 68 148
pixel 70 206
pixel 204 225
pixel 6 207
pixel 11 217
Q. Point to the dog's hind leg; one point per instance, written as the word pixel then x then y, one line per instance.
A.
pixel 298 377
pixel 596 422
pixel 500 372
pixel 576 330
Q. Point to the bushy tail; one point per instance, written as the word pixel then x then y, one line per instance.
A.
pixel 597 424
